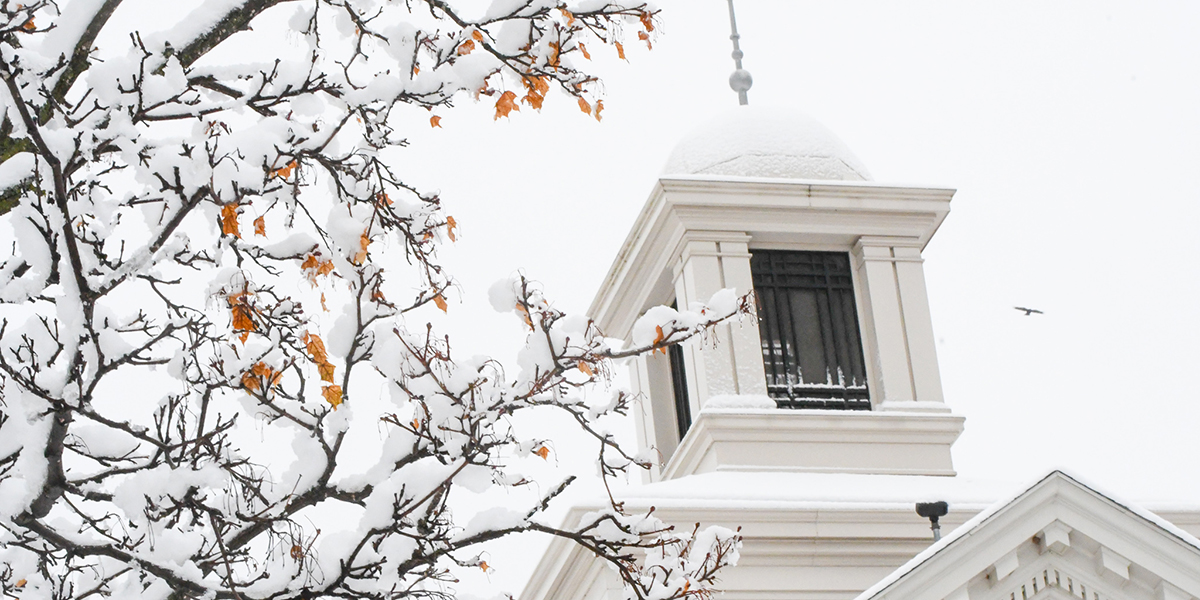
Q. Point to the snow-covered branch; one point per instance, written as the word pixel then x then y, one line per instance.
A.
pixel 219 287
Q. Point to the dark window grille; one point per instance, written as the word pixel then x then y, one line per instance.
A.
pixel 812 351
pixel 683 409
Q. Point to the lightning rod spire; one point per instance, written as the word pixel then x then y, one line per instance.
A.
pixel 740 80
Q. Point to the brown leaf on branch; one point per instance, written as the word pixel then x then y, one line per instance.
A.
pixel 27 26
pixel 313 266
pixel 260 226
pixel 543 452
pixel 620 50
pixel 659 338
pixel 242 313
pixel 599 107
pixel 525 314
pixel 583 49
pixel 506 105
pixel 585 107
pixel 435 121
pixel 450 225
pixel 642 35
pixel 21 582
pixel 297 553
pixel 465 48
pixel 647 21
pixel 361 256
pixel 284 172
pixel 478 35
pixel 333 395
pixel 585 368
pixel 260 377
pixel 440 302
pixel 536 88
pixel 315 347
pixel 229 219
pixel 567 15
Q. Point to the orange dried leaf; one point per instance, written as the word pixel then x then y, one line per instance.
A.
pixel 377 295
pixel 483 565
pixel 435 121
pixel 506 104
pixel 416 70
pixel 313 266
pixel 658 338
pixel 333 395
pixel 382 199
pixel 478 35
pixel 250 382
pixel 620 50
pixel 315 347
pixel 363 242
pixel 645 38
pixel 599 107
pixel 416 424
pixel 260 226
pixel 323 307
pixel 567 15
pixel 534 99
pixel 450 225
pixel 583 49
pixel 585 107
pixel 28 26
pixel 525 313
pixel 465 48
pixel 229 220
pixel 258 376
pixel 297 552
pixel 326 370
pixel 440 302
pixel 543 452
pixel 647 21
pixel 585 368
pixel 285 171
pixel 242 313
pixel 21 582
pixel 555 50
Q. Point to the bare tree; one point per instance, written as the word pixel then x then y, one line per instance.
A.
pixel 217 280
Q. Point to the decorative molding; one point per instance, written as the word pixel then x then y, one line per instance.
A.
pixel 1056 537
pixel 1003 567
pixel 1108 561
pixel 891 443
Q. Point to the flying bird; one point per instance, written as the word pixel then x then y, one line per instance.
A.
pixel 1029 311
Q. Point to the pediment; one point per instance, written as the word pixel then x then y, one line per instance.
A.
pixel 1060 540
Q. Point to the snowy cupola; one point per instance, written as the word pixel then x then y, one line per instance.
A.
pixel 838 372
pixel 764 141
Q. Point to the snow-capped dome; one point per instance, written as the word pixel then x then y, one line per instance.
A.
pixel 761 141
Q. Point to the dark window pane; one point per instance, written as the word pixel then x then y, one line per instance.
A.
pixel 683 409
pixel 808 323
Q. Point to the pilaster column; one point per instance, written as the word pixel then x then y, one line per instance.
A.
pixel 708 262
pixel 898 336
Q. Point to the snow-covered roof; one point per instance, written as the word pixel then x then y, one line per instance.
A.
pixel 764 141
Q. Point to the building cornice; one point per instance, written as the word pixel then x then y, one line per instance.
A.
pixel 769 211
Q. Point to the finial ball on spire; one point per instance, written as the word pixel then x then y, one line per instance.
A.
pixel 741 81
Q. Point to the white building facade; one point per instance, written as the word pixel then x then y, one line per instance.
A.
pixel 817 426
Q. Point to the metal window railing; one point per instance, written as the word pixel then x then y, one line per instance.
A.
pixel 808 322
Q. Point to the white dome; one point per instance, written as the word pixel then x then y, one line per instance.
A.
pixel 759 141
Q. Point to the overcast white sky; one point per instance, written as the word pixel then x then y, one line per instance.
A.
pixel 1070 129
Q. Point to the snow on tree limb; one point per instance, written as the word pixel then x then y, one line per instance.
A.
pixel 215 273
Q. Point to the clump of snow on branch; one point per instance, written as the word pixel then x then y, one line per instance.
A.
pixel 219 282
